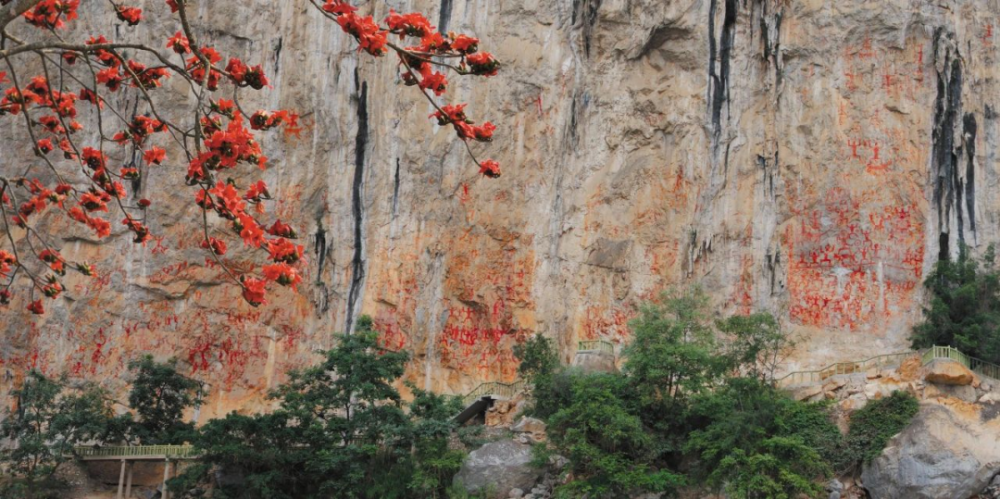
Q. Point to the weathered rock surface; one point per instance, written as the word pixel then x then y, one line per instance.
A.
pixel 810 158
pixel 597 362
pixel 944 372
pixel 943 454
pixel 499 467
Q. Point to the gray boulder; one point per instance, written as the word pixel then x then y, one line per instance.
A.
pixel 498 468
pixel 941 455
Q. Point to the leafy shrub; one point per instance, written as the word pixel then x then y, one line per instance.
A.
pixel 964 308
pixel 873 425
pixel 608 449
pixel 754 441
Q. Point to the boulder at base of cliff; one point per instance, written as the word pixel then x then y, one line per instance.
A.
pixel 946 372
pixel 941 455
pixel 498 468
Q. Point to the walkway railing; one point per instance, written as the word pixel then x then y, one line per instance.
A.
pixel 879 362
pixel 602 346
pixel 124 451
pixel 495 389
pixel 978 366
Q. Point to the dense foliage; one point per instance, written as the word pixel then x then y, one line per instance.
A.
pixel 340 430
pixel 964 307
pixel 159 397
pixel 45 424
pixel 695 405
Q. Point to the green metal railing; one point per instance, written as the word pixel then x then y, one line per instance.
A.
pixel 495 389
pixel 978 366
pixel 879 362
pixel 123 451
pixel 602 346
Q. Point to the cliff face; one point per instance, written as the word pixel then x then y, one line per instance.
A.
pixel 805 157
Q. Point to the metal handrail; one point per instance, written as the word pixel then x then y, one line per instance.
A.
pixel 125 451
pixel 603 346
pixel 878 361
pixel 978 366
pixel 496 389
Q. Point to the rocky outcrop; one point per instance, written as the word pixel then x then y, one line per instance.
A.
pixel 498 468
pixel 530 430
pixel 945 372
pixel 597 362
pixel 943 454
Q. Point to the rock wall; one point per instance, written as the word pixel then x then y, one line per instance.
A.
pixel 805 157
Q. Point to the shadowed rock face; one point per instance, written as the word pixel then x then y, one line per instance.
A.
pixel 498 467
pixel 809 158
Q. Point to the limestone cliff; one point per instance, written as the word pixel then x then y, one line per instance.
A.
pixel 805 157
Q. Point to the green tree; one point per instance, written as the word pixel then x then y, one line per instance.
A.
pixel 610 452
pixel 672 357
pixel 539 366
pixel 44 426
pixel 754 344
pixel 964 307
pixel 159 397
pixel 340 430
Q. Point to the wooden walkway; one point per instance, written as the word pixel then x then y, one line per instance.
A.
pixel 128 455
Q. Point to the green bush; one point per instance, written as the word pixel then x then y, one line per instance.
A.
pixel 873 425
pixel 609 451
pixel 964 308
pixel 754 441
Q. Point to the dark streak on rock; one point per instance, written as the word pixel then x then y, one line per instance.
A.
pixel 445 16
pixel 277 55
pixel 719 82
pixel 946 154
pixel 969 129
pixel 320 251
pixel 361 143
pixel 395 191
pixel 585 13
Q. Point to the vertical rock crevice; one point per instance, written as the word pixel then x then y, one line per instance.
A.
pixel 357 212
pixel 585 16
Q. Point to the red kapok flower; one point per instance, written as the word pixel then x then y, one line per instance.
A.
pixel 36 307
pixel 44 146
pixel 282 250
pixel 464 44
pixel 490 168
pixel 179 43
pixel 283 274
pixel 131 15
pixel 483 64
pixel 253 291
pixel 218 247
pixel 282 230
pixel 155 155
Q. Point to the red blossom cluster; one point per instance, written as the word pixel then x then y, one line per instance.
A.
pixel 52 14
pixel 419 62
pixel 222 138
